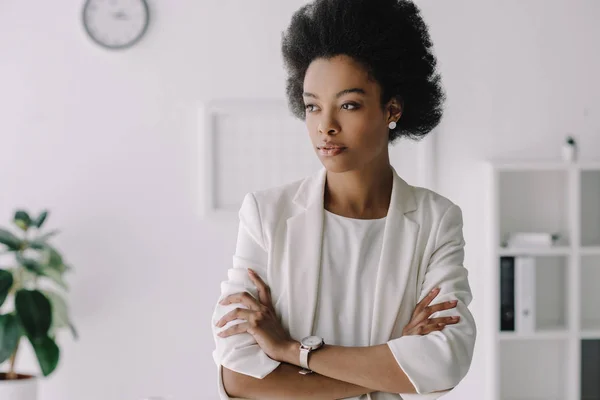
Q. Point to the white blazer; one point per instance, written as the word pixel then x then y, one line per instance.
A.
pixel 280 237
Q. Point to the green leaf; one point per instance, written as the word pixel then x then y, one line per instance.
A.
pixel 6 282
pixel 55 259
pixel 9 239
pixel 55 276
pixel 29 264
pixel 9 336
pixel 22 219
pixel 34 311
pixel 37 244
pixel 51 257
pixel 39 221
pixel 60 313
pixel 47 353
pixel 47 235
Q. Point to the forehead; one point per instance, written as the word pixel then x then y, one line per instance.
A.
pixel 326 77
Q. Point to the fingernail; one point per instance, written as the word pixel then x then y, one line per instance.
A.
pixel 454 301
pixel 435 290
pixel 251 272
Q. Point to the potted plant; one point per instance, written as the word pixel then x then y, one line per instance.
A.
pixel 569 149
pixel 32 302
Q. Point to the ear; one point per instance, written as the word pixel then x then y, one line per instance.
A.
pixel 394 109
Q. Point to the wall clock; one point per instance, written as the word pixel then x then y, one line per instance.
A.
pixel 116 24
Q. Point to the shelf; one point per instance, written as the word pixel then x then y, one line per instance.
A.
pixel 589 294
pixel 536 398
pixel 550 165
pixel 526 166
pixel 590 250
pixel 557 198
pixel 558 334
pixel 535 251
pixel 534 201
pixel 590 208
pixel 590 369
pixel 590 334
pixel 548 288
pixel 533 369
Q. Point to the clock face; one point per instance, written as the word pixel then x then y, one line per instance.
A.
pixel 115 24
pixel 311 341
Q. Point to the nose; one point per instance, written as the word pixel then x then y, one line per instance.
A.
pixel 329 125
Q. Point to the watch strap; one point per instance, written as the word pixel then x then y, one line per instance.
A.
pixel 304 357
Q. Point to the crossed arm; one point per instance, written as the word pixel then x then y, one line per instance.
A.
pixel 435 362
pixel 340 372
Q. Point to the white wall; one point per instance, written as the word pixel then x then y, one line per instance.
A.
pixel 107 142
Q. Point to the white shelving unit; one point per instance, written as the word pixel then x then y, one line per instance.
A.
pixel 549 363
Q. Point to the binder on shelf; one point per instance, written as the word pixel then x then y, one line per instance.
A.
pixel 507 294
pixel 517 294
pixel 525 311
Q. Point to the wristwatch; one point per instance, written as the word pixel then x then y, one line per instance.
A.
pixel 308 344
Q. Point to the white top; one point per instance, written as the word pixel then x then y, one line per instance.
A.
pixel 350 259
pixel 280 236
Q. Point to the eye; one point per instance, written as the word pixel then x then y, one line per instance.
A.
pixel 310 107
pixel 350 106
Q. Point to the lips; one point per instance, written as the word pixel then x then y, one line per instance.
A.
pixel 330 151
pixel 331 147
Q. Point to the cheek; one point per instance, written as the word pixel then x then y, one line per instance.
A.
pixel 312 127
pixel 368 134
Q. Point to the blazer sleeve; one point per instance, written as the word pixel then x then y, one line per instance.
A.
pixel 240 352
pixel 439 360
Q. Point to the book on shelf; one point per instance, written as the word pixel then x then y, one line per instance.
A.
pixel 531 239
pixel 517 294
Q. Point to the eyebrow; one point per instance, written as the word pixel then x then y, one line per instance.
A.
pixel 338 95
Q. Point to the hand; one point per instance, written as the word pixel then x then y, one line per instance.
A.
pixel 260 320
pixel 421 324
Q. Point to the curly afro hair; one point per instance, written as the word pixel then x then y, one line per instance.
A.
pixel 388 37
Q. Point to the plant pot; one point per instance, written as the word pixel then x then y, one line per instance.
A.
pixel 23 388
pixel 569 153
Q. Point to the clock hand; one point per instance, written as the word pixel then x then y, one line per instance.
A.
pixel 120 15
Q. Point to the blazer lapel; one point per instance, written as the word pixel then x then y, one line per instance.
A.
pixel 399 242
pixel 304 242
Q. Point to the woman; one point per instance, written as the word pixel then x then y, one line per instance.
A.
pixel 334 276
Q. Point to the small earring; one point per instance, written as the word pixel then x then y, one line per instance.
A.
pixel 392 125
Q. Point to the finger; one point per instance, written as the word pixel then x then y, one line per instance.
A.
pixel 445 320
pixel 428 299
pixel 235 330
pixel 238 313
pixel 422 311
pixel 446 305
pixel 425 329
pixel 264 292
pixel 244 298
pixel 423 320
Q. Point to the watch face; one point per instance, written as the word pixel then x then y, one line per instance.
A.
pixel 115 24
pixel 312 341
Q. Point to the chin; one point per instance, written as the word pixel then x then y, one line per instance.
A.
pixel 337 167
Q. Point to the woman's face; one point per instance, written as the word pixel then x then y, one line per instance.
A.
pixel 348 127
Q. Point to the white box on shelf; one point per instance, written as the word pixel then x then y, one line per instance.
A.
pixel 530 239
pixel 525 312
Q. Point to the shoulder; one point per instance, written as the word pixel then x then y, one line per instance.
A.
pixel 435 207
pixel 271 201
pixel 278 194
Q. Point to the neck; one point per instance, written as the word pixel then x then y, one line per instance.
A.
pixel 363 193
